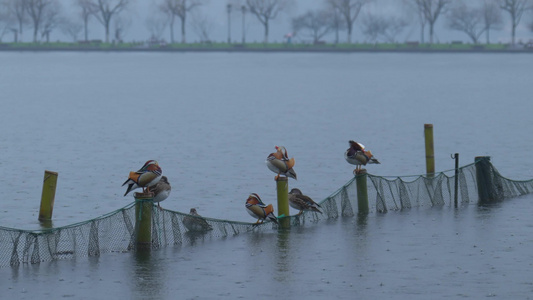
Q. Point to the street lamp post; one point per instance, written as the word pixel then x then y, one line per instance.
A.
pixel 243 9
pixel 229 23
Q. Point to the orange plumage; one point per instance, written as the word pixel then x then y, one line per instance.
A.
pixel 145 177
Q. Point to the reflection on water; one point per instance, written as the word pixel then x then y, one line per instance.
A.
pixel 283 261
pixel 362 220
pixel 195 236
pixel 148 275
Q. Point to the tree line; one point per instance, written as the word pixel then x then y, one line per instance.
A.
pixel 475 18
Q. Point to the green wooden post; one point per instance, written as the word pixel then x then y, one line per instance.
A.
pixel 48 196
pixel 282 185
pixel 485 186
pixel 430 151
pixel 362 192
pixel 143 220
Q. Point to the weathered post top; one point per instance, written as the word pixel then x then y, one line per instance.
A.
pixel 143 196
pixel 430 150
pixel 48 195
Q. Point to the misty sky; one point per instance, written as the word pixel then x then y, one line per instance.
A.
pixel 216 10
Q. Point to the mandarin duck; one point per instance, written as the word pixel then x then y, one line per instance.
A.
pixel 161 190
pixel 357 155
pixel 299 201
pixel 259 210
pixel 279 163
pixel 195 223
pixel 147 176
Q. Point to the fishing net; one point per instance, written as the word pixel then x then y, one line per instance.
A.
pixel 479 182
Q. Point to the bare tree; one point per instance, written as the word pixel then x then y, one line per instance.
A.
pixel 349 10
pixel 4 19
pixel 156 25
pixel 243 14
pixel 430 10
pixel 87 9
pixel 71 28
pixel 338 22
pixel 17 13
pixel 394 25
pixel 315 24
pixel 36 10
pixel 387 27
pixel 228 10
pixel 120 26
pixel 466 19
pixel 372 26
pixel 168 7
pixel 516 9
pixel 267 10
pixel 50 19
pixel 492 17
pixel 202 26
pixel 106 10
pixel 413 6
pixel 3 28
pixel 181 8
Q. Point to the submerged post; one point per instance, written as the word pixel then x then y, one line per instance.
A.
pixel 456 190
pixel 430 151
pixel 485 186
pixel 48 196
pixel 282 186
pixel 362 192
pixel 143 221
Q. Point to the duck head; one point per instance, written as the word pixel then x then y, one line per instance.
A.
pixel 254 199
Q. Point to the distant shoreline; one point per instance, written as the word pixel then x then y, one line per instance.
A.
pixel 257 50
pixel 268 48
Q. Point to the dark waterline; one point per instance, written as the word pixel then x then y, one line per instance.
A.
pixel 266 50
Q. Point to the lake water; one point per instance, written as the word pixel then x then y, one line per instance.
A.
pixel 210 119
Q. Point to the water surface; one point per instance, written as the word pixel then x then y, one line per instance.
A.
pixel 211 119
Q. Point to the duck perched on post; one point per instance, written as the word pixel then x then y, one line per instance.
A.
pixel 357 155
pixel 299 201
pixel 259 210
pixel 161 190
pixel 145 177
pixel 279 163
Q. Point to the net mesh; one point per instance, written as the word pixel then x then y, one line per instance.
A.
pixel 115 232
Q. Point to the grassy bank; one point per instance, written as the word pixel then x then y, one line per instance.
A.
pixel 256 47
